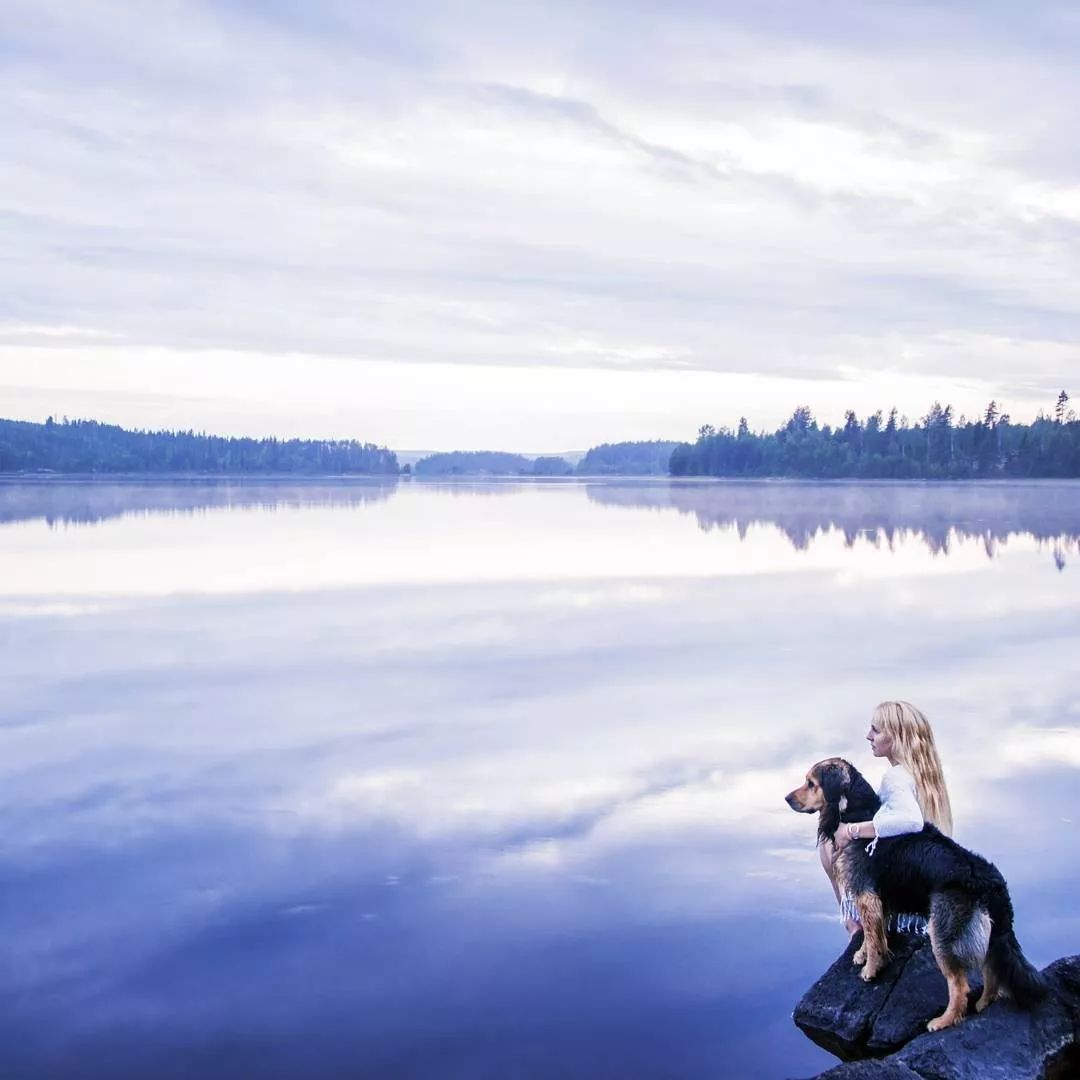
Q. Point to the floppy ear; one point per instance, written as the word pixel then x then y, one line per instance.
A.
pixel 863 801
pixel 834 784
pixel 833 789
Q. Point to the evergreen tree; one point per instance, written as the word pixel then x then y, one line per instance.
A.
pixel 935 447
pixel 85 446
pixel 628 459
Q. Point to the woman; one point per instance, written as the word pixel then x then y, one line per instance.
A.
pixel 912 791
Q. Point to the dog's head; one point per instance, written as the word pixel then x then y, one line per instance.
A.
pixel 837 791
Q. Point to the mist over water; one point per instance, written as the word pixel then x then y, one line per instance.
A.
pixel 467 780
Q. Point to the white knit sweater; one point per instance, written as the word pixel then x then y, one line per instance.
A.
pixel 899 811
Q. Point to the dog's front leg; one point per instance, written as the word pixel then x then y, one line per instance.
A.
pixel 875 945
pixel 860 954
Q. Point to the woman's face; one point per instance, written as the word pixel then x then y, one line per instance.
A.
pixel 880 742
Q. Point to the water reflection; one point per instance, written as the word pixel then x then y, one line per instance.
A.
pixel 78 502
pixel 457 825
pixel 935 514
pixel 229 538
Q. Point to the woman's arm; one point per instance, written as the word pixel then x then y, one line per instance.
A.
pixel 900 812
pixel 854 830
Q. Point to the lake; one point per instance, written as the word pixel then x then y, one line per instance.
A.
pixel 486 779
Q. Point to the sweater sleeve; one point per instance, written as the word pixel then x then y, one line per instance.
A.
pixel 899 811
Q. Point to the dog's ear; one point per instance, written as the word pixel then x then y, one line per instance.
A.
pixel 863 801
pixel 834 784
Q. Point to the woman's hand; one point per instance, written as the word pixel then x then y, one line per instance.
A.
pixel 842 838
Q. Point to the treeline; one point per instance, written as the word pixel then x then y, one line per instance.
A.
pixel 85 446
pixel 490 463
pixel 608 459
pixel 627 459
pixel 936 446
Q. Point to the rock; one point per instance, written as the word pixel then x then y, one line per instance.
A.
pixel 919 994
pixel 1004 1042
pixel 1064 976
pixel 856 1020
pixel 866 1021
pixel 870 1070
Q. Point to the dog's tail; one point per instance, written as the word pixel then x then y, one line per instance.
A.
pixel 1014 972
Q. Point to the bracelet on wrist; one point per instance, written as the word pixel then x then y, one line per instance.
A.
pixel 853 830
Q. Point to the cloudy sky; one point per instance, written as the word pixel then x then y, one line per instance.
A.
pixel 534 226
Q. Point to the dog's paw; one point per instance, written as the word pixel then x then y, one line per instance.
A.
pixel 860 957
pixel 984 1002
pixel 940 1023
pixel 868 973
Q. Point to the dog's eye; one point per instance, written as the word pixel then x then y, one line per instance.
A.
pixel 809 783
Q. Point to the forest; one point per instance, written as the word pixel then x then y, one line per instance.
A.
pixel 490 463
pixel 608 459
pixel 938 446
pixel 85 446
pixel 627 459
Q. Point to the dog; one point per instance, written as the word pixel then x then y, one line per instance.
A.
pixel 964 897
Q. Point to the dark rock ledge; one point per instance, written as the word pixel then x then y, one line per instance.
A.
pixel 879 1028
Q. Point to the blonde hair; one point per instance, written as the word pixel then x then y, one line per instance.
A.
pixel 915 749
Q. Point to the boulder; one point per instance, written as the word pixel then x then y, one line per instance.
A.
pixel 1007 1043
pixel 870 1070
pixel 879 1028
pixel 855 1020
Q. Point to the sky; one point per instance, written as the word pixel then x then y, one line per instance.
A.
pixel 534 226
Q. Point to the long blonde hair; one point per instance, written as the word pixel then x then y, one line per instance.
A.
pixel 915 749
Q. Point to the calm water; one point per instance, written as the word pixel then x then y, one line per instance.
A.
pixel 486 780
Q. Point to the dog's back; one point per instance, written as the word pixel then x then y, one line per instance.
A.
pixel 966 900
pixel 905 870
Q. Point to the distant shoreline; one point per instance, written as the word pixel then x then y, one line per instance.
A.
pixel 460 478
pixel 51 476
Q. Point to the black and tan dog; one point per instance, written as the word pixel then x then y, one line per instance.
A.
pixel 964 897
